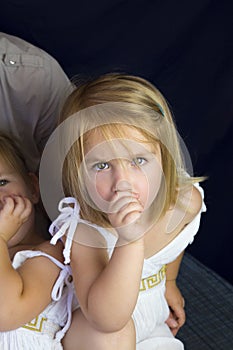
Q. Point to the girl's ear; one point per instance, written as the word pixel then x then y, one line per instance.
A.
pixel 35 191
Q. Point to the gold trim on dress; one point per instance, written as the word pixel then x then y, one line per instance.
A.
pixel 36 324
pixel 154 280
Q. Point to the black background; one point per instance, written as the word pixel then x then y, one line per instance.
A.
pixel 186 49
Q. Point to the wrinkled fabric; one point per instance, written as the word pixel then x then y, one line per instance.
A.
pixel 33 88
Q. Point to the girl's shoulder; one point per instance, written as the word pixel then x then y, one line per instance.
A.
pixel 89 249
pixel 56 251
pixel 176 222
pixel 188 205
pixel 91 235
pixel 192 202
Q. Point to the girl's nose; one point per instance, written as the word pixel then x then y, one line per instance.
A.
pixel 123 185
pixel 122 180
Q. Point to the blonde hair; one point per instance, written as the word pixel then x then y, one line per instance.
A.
pixel 10 153
pixel 141 106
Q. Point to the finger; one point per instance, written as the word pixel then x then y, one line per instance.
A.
pixel 9 204
pixel 128 214
pixel 131 213
pixel 171 322
pixel 175 331
pixel 131 217
pixel 22 207
pixel 27 209
pixel 180 316
pixel 19 205
pixel 121 202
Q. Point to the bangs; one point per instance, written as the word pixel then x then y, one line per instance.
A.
pixel 11 155
pixel 121 132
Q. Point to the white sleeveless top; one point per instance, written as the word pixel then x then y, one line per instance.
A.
pixel 47 329
pixel 70 217
pixel 151 310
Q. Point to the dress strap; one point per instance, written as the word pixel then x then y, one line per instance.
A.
pixel 65 224
pixel 64 280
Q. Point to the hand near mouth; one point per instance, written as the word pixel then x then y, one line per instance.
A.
pixel 124 214
pixel 14 213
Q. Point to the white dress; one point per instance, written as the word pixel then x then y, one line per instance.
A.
pixel 151 311
pixel 47 329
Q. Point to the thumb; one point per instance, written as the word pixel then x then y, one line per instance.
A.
pixel 171 322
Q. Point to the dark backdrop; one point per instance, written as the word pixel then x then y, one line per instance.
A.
pixel 186 49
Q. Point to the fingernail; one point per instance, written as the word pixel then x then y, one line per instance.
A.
pixel 174 323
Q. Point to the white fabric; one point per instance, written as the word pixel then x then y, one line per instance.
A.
pixel 66 223
pixel 151 310
pixel 53 322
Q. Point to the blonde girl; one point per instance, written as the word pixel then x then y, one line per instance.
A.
pixel 35 292
pixel 133 208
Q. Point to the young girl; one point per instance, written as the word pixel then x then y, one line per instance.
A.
pixel 35 292
pixel 131 212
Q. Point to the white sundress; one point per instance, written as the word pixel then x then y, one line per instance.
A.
pixel 47 329
pixel 151 311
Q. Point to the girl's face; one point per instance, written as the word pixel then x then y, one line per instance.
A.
pixel 120 166
pixel 11 183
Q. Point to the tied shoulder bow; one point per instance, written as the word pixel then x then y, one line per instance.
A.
pixel 65 224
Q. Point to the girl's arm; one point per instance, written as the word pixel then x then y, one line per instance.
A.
pixel 192 200
pixel 107 290
pixel 174 297
pixel 24 292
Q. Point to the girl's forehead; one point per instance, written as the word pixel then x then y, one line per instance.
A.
pixel 5 165
pixel 131 145
pixel 8 168
pixel 114 135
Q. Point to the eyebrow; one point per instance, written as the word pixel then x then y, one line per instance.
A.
pixel 94 160
pixel 3 174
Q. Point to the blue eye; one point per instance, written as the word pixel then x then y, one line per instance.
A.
pixel 101 166
pixel 139 161
pixel 3 182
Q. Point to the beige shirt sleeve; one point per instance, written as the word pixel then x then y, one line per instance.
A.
pixel 33 87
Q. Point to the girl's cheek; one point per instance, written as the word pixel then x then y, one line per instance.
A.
pixel 143 194
pixel 103 190
pixel 150 190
